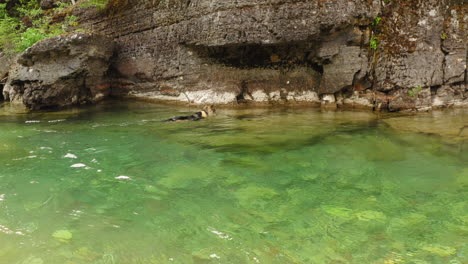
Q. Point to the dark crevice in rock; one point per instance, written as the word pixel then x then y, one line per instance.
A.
pixel 458 83
pixel 281 56
pixel 434 89
pixel 244 94
pixel 466 70
pixel 2 85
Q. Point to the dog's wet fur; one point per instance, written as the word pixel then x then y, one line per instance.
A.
pixel 204 113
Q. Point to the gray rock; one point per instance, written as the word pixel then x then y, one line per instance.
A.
pixel 270 46
pixel 451 95
pixel 5 63
pixel 454 44
pixel 411 99
pixel 222 51
pixel 343 69
pixel 410 50
pixel 61 71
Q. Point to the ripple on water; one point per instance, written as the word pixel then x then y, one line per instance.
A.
pixel 248 186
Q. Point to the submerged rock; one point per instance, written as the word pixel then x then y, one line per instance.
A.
pixel 62 235
pixel 61 71
pixel 449 124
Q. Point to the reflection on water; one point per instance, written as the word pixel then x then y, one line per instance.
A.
pixel 112 184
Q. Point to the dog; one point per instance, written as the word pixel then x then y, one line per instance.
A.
pixel 204 113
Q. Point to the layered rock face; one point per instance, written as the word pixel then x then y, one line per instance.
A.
pixel 61 71
pixel 5 64
pixel 224 51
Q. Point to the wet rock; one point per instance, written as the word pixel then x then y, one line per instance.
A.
pixel 445 123
pixel 423 99
pixel 416 98
pixel 400 100
pixel 304 96
pixel 33 260
pixel 62 235
pixel 329 101
pixel 61 71
pixel 451 95
pixel 359 100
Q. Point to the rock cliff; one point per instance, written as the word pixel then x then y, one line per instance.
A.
pixel 61 71
pixel 377 54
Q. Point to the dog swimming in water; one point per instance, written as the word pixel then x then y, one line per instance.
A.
pixel 204 113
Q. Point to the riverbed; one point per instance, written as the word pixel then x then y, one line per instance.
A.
pixel 113 184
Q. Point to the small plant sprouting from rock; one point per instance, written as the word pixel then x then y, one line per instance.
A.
pixel 376 21
pixel 374 43
pixel 415 91
pixel 99 4
pixel 443 36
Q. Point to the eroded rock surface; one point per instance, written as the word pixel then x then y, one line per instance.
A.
pixel 5 64
pixel 381 55
pixel 238 51
pixel 221 51
pixel 61 71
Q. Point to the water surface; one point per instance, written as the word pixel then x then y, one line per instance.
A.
pixel 111 184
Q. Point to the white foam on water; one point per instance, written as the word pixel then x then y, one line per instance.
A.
pixel 45 148
pixel 32 121
pixel 6 230
pixel 123 178
pixel 220 234
pixel 71 156
pixel 78 165
pixel 215 256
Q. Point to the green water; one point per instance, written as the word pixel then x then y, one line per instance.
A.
pixel 247 186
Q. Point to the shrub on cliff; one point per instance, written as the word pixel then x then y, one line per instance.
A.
pixel 101 4
pixel 25 23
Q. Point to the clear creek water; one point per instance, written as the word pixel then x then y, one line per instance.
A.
pixel 111 184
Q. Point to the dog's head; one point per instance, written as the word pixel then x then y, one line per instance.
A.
pixel 209 110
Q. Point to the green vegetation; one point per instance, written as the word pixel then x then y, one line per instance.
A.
pixel 443 36
pixel 376 21
pixel 100 4
pixel 415 91
pixel 374 42
pixel 26 23
pixel 375 27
